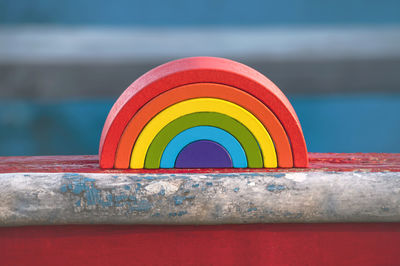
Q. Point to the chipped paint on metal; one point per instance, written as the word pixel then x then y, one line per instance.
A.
pixel 275 188
pixel 61 198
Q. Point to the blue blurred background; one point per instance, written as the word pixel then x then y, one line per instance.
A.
pixel 64 63
pixel 195 13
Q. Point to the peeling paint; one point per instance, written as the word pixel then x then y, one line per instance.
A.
pixel 275 188
pixel 178 200
pixel 61 198
pixel 142 206
pixel 64 188
pixel 182 213
pixel 278 175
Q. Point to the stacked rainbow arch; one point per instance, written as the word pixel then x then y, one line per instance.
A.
pixel 202 112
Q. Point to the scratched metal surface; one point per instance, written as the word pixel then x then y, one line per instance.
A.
pixel 73 190
pixel 221 198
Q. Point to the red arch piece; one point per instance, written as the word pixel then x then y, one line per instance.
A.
pixel 195 70
pixel 203 90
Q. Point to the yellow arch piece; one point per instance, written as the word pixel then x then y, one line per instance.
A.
pixel 177 110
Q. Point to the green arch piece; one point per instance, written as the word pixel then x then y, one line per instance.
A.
pixel 232 126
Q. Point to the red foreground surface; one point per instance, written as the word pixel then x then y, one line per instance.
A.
pixel 257 244
pixel 366 162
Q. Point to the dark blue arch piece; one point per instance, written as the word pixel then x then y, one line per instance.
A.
pixel 203 154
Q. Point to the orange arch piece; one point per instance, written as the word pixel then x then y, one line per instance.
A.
pixel 201 90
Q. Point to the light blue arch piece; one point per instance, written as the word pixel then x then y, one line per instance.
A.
pixel 230 143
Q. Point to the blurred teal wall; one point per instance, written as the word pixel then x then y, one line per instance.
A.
pixel 330 124
pixel 205 12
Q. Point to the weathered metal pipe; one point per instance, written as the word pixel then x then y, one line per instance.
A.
pixel 220 198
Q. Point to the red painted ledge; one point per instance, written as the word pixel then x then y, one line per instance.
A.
pixel 369 162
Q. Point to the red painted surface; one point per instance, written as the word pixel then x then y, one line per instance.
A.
pixel 260 244
pixel 367 162
pixel 196 70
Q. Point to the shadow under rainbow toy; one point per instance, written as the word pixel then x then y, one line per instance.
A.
pixel 202 112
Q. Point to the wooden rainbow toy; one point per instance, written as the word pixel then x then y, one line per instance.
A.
pixel 207 113
pixel 202 112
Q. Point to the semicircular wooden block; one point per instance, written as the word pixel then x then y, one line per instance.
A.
pixel 155 125
pixel 199 70
pixel 230 125
pixel 203 154
pixel 202 90
pixel 194 134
